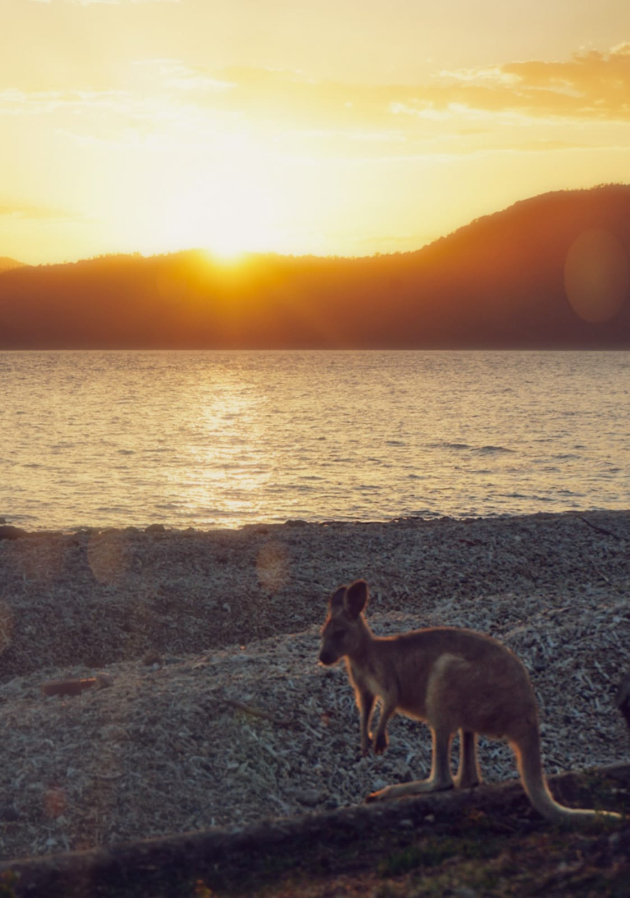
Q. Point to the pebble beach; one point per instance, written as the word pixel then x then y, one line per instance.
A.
pixel 204 703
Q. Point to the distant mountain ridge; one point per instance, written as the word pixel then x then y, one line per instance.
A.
pixel 7 264
pixel 498 282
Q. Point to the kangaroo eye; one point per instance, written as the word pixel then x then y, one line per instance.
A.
pixel 339 636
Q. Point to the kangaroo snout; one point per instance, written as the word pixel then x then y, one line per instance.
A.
pixel 327 658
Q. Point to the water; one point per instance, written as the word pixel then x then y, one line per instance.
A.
pixel 210 439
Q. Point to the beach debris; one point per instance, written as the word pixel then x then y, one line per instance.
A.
pixel 75 687
pixel 257 712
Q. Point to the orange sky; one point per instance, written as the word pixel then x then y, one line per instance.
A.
pixel 340 127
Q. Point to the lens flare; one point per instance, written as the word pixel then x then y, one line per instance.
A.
pixel 106 556
pixel 6 626
pixel 272 566
pixel 596 276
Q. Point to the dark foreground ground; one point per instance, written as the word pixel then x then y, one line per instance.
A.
pixel 488 842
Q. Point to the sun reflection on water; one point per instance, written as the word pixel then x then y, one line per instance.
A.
pixel 224 450
pixel 223 439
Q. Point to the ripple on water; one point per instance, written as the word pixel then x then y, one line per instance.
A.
pixel 492 450
pixel 203 437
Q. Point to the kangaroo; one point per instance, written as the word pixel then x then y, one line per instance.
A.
pixel 454 680
pixel 623 698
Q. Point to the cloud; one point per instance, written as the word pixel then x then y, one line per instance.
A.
pixel 21 102
pixel 165 102
pixel 25 212
pixel 490 77
pixel 108 2
pixel 175 75
pixel 589 85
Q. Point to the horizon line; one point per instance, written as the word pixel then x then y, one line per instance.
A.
pixel 233 259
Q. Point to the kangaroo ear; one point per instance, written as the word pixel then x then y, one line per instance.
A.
pixel 356 598
pixel 337 599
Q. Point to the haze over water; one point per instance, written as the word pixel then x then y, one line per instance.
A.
pixel 209 439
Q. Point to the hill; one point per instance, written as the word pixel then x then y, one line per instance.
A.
pixel 498 282
pixel 7 264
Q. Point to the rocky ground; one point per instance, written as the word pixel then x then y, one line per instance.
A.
pixel 216 712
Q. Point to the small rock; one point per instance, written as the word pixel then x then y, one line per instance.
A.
pixel 104 681
pixel 9 814
pixel 8 531
pixel 113 733
pixel 308 797
pixel 402 772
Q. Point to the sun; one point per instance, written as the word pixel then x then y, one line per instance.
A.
pixel 227 252
pixel 225 219
pixel 228 195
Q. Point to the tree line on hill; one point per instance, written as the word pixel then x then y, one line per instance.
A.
pixel 499 282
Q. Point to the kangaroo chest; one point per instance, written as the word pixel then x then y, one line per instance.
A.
pixel 367 677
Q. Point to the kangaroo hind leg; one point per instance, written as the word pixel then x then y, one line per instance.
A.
pixel 439 780
pixel 468 774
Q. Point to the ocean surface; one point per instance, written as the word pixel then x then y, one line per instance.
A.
pixel 211 439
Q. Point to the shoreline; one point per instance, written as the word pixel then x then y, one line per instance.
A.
pixel 22 529
pixel 217 713
pixel 412 520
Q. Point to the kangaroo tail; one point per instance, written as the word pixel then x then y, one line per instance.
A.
pixel 530 767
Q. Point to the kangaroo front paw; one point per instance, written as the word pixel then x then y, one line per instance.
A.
pixel 380 743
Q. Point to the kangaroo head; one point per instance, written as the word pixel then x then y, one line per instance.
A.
pixel 344 629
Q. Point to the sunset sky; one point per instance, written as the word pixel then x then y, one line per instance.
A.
pixel 332 127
